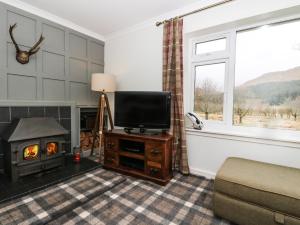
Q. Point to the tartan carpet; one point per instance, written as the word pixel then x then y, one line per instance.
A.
pixel 43 206
pixel 186 200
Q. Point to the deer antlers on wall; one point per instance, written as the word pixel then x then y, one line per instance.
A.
pixel 23 56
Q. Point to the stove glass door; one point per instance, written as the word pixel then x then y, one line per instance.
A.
pixel 52 148
pixel 31 152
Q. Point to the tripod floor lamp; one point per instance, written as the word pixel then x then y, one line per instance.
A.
pixel 102 83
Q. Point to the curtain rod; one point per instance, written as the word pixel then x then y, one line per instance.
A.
pixel 195 11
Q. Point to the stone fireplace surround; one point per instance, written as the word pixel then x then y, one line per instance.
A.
pixel 8 113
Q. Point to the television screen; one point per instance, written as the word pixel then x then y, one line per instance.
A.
pixel 139 109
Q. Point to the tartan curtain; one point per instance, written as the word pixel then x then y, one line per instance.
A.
pixel 173 82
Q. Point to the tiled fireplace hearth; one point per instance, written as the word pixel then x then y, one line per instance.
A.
pixel 47 146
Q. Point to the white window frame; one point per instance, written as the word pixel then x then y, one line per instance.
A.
pixel 225 97
pixel 210 55
pixel 228 56
pixel 208 59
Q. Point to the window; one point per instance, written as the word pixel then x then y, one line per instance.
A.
pixel 267 77
pixel 251 84
pixel 209 91
pixel 211 46
pixel 210 75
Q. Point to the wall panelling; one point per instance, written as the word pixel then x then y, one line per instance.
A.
pixel 60 69
pixel 59 74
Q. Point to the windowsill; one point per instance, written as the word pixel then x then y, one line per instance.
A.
pixel 245 137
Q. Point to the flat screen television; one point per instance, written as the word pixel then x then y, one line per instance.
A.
pixel 142 109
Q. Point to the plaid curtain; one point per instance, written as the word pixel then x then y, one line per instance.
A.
pixel 173 82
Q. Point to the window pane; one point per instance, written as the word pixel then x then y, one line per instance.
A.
pixel 267 77
pixel 211 46
pixel 209 91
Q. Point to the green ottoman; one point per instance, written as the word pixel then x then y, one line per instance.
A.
pixel 248 192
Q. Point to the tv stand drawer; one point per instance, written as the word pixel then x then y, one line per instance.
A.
pixel 154 151
pixel 110 158
pixel 110 144
pixel 154 172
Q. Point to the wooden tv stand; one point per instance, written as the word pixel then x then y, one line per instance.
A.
pixel 141 155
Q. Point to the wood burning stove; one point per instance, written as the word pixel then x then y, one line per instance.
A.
pixel 33 145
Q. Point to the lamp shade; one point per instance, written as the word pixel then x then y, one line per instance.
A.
pixel 103 82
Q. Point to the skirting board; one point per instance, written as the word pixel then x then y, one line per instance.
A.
pixel 204 173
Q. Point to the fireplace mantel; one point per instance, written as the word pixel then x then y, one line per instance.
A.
pixel 36 103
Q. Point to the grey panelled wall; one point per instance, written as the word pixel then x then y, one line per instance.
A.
pixel 58 75
pixel 60 71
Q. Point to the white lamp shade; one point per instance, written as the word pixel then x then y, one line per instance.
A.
pixel 103 82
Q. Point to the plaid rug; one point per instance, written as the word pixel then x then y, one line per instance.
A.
pixel 46 205
pixel 186 200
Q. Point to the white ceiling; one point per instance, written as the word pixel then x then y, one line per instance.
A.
pixel 107 16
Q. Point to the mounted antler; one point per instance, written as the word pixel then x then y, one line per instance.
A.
pixel 23 56
pixel 12 37
pixel 36 47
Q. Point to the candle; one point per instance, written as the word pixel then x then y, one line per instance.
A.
pixel 77 157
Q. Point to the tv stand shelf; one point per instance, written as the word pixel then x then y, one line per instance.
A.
pixel 132 155
pixel 141 155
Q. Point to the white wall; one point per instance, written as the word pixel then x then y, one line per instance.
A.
pixel 239 9
pixel 136 60
pixel 207 152
pixel 135 57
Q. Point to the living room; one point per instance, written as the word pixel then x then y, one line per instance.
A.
pixel 236 70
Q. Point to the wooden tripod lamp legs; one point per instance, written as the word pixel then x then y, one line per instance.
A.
pixel 103 106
